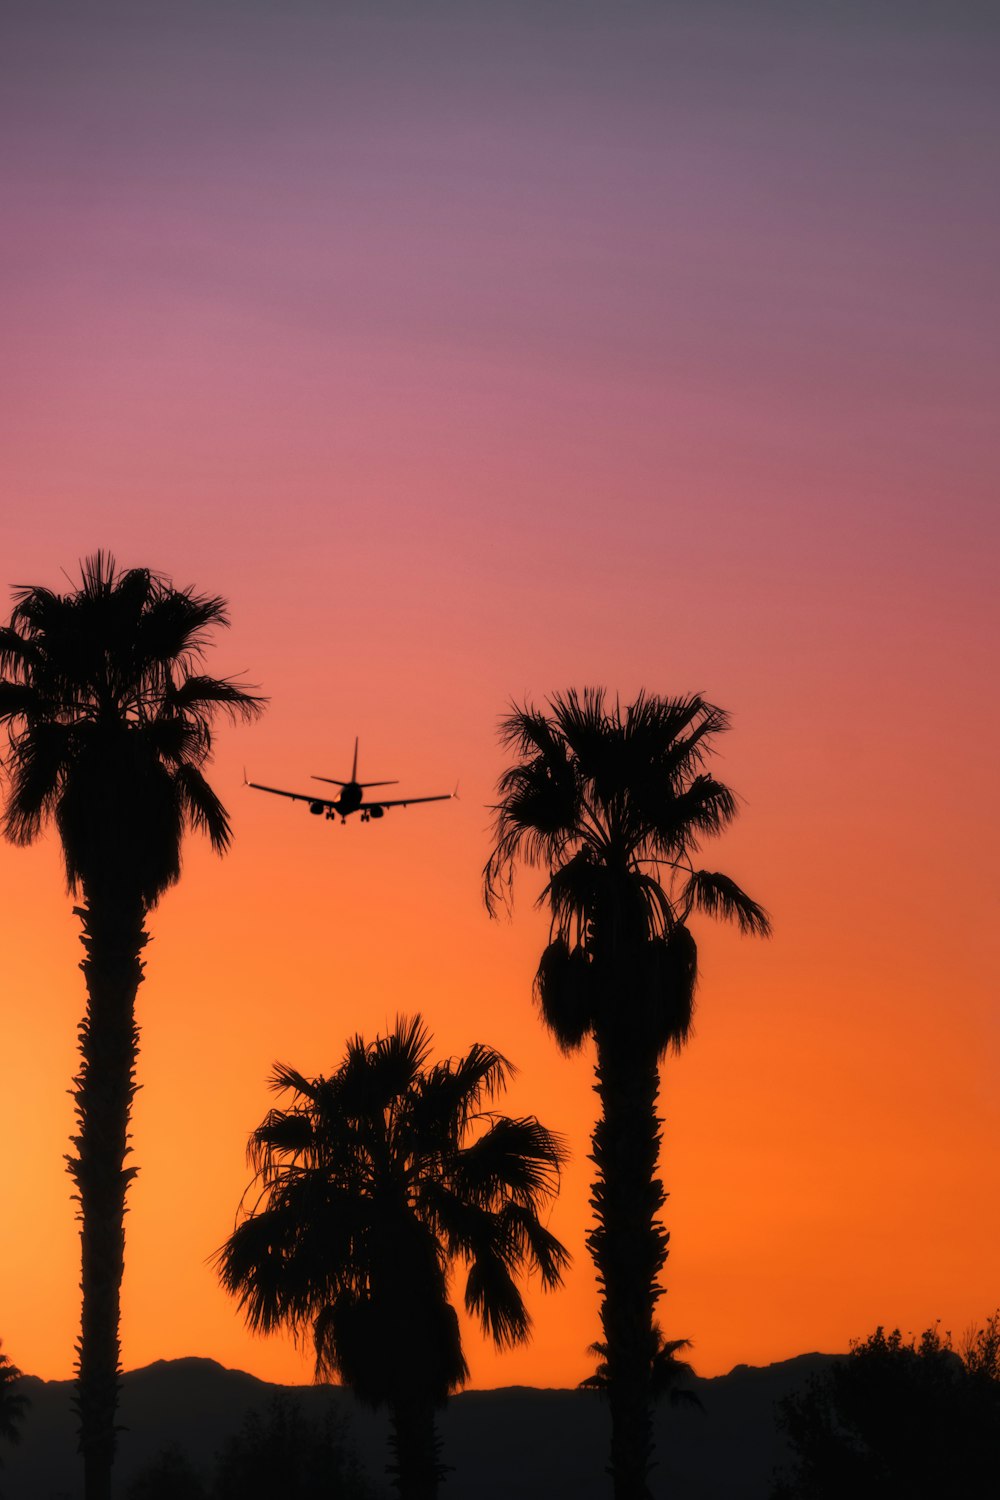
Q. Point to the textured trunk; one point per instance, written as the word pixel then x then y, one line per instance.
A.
pixel 113 937
pixel 415 1446
pixel 628 1244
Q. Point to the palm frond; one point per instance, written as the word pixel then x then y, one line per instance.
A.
pixel 199 693
pixel 203 807
pixel 99 574
pixel 718 896
pixel 528 732
pixel 516 1159
pixel 678 819
pixel 284 1077
pixel 36 771
pixel 492 1295
pixel 18 653
pixel 461 1085
pixel 257 1266
pixel 20 700
pixel 667 1372
pixel 177 625
pixel 565 992
pixel 178 739
pixel 670 980
pixel 531 1242
pixel 282 1133
pixel 36 609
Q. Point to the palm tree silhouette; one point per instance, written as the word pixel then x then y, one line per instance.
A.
pixel 109 724
pixel 367 1189
pixel 613 803
pixel 668 1375
pixel 13 1402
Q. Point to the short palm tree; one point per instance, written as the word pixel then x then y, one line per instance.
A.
pixel 613 804
pixel 368 1188
pixel 13 1402
pixel 109 724
pixel 669 1377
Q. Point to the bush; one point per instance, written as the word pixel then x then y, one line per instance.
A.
pixel 897 1418
pixel 280 1451
pixel 169 1476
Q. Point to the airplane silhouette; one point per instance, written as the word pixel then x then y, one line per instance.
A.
pixel 351 798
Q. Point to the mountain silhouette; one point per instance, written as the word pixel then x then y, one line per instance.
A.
pixel 517 1440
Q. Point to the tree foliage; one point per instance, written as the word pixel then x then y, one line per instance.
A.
pixel 168 1476
pixel 279 1450
pixel 897 1416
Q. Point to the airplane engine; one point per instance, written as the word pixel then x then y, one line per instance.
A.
pixel 376 812
pixel 316 808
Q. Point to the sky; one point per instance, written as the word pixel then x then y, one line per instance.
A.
pixel 474 353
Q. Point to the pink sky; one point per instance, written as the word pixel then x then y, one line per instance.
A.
pixel 473 357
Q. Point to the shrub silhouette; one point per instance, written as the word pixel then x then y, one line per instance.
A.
pixel 912 1419
pixel 279 1451
pixel 168 1476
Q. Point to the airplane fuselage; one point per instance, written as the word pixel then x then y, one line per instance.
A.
pixel 350 798
pixel 349 801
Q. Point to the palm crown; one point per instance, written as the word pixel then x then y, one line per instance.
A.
pixel 368 1187
pixel 109 722
pixel 614 804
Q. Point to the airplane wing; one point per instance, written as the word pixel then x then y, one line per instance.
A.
pixel 405 801
pixel 295 796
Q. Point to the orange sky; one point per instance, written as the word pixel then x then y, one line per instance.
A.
pixel 479 360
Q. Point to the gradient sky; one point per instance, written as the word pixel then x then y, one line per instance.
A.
pixel 475 353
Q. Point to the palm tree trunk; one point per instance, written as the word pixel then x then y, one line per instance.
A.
pixel 113 937
pixel 628 1244
pixel 415 1446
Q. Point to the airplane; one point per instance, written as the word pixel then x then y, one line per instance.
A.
pixel 351 798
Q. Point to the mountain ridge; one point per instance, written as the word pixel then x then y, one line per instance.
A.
pixel 555 1439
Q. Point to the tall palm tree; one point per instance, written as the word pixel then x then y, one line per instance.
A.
pixel 109 724
pixel 613 803
pixel 367 1189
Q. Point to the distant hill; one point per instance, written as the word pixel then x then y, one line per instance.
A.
pixel 554 1442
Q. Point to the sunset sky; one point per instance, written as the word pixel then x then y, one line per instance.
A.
pixel 474 352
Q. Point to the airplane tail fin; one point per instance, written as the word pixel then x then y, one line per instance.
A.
pixel 354 775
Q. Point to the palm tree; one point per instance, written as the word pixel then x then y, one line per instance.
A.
pixel 367 1189
pixel 109 724
pixel 668 1376
pixel 613 803
pixel 13 1402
